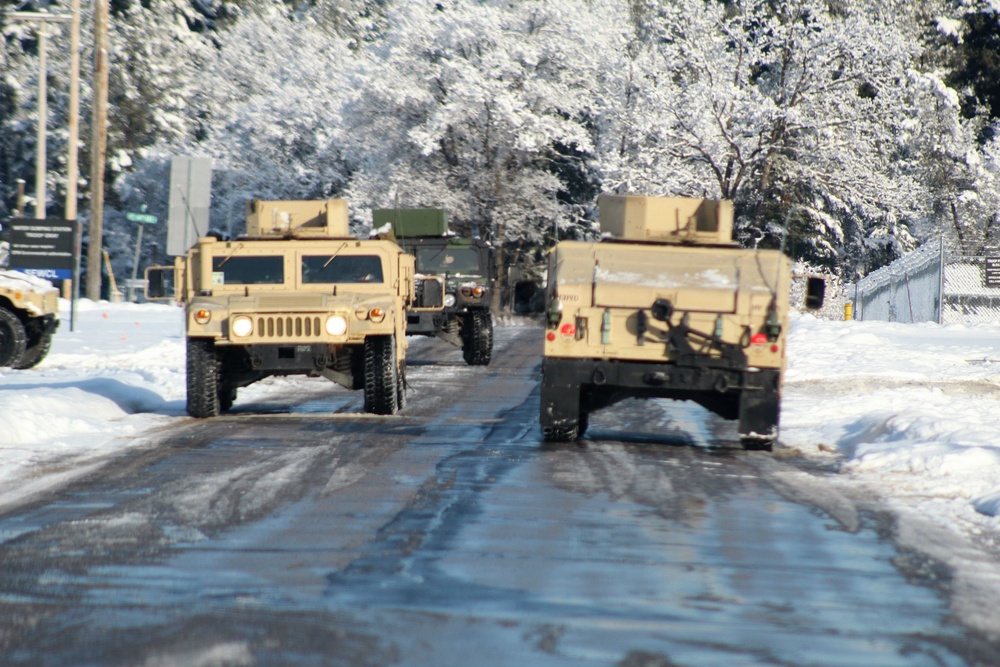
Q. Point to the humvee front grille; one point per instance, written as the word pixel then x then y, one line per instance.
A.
pixel 288 326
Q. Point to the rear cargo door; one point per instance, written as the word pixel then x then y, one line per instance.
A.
pixel 694 280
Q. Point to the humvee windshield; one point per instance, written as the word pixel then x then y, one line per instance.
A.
pixel 243 270
pixel 342 269
pixel 450 259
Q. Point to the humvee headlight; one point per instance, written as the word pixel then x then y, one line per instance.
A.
pixel 242 326
pixel 336 325
pixel 376 315
pixel 473 291
pixel 449 300
pixel 202 316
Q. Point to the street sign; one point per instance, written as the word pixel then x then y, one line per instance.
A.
pixel 44 246
pixel 141 217
pixel 190 201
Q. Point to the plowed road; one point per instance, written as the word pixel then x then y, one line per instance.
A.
pixel 308 533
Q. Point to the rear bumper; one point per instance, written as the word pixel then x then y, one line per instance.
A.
pixel 572 386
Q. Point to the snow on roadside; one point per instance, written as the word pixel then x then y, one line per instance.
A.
pixel 908 414
pixel 910 409
pixel 119 373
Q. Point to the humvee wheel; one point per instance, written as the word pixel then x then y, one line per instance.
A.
pixel 35 352
pixel 226 399
pixel 477 338
pixel 401 387
pixel 756 444
pixel 560 434
pixel 381 375
pixel 13 339
pixel 202 378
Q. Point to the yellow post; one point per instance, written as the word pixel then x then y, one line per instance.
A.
pixel 848 311
pixel 113 295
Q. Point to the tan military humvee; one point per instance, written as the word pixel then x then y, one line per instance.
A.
pixel 665 306
pixel 29 315
pixel 296 296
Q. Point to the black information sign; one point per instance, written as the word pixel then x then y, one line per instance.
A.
pixel 993 270
pixel 41 247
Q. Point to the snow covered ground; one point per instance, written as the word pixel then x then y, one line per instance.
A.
pixel 908 412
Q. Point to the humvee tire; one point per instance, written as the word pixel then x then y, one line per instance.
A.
pixel 202 378
pixel 567 433
pixel 759 412
pixel 381 375
pixel 401 387
pixel 37 348
pixel 477 338
pixel 13 339
pixel 226 399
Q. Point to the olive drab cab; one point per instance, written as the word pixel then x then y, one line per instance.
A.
pixel 665 306
pixel 296 295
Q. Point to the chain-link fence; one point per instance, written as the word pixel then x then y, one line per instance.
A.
pixel 928 285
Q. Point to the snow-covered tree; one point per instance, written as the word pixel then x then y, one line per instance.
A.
pixel 775 105
pixel 267 105
pixel 481 108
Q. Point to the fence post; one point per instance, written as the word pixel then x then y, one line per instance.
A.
pixel 940 299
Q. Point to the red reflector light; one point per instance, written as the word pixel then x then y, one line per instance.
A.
pixel 568 329
pixel 758 339
pixel 550 336
pixel 774 348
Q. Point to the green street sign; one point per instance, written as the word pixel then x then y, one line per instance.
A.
pixel 141 217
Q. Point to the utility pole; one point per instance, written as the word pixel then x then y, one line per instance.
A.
pixel 98 151
pixel 43 117
pixel 41 19
pixel 72 160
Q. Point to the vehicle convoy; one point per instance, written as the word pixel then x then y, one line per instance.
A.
pixel 460 271
pixel 297 295
pixel 666 306
pixel 29 316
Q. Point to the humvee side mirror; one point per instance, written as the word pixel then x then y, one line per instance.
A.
pixel 160 282
pixel 815 293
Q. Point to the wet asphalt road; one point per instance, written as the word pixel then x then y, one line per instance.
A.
pixel 308 533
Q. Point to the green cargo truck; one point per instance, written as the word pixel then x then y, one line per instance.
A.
pixel 452 271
